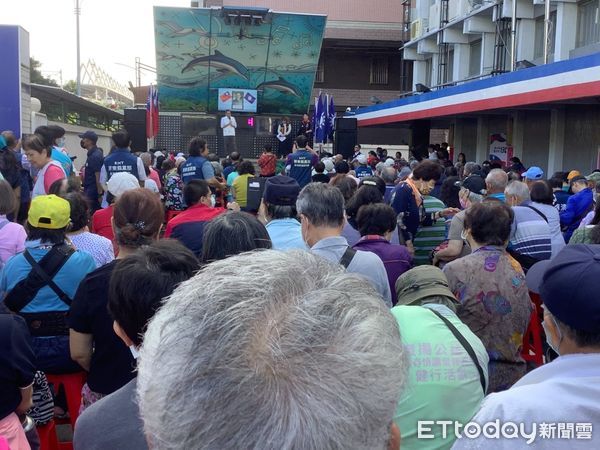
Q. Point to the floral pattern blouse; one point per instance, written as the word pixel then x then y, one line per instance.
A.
pixel 174 191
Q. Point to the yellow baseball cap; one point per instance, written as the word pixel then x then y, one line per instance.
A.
pixel 50 212
pixel 573 174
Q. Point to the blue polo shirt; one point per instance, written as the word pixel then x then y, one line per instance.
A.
pixel 68 277
pixel 286 234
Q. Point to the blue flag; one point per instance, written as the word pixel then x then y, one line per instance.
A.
pixel 320 119
pixel 330 119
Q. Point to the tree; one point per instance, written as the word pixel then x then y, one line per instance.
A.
pixel 36 76
pixel 70 86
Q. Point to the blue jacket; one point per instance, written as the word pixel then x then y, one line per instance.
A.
pixel 578 206
pixel 121 160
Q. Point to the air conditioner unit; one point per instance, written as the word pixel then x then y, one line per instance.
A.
pixel 415 29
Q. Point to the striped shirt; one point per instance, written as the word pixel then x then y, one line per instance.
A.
pixel 530 234
pixel 429 237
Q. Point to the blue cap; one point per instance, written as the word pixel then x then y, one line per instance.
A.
pixel 568 286
pixel 534 173
pixel 89 134
pixel 281 190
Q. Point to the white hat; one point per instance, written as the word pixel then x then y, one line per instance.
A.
pixel 158 153
pixel 179 160
pixel 180 154
pixel 122 182
pixel 329 166
pixel 362 159
pixel 389 162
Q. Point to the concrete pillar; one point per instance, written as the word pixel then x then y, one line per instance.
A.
pixel 566 24
pixel 488 41
pixel 460 70
pixel 526 40
pixel 483 139
pixel 557 141
pixel 419 73
pixel 518 134
pixel 456 141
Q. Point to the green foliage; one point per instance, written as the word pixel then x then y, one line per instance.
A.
pixel 36 76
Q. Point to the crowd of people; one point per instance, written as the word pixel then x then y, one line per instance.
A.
pixel 302 301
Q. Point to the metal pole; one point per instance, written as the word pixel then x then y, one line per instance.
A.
pixel 77 13
pixel 546 31
pixel 513 41
pixel 138 72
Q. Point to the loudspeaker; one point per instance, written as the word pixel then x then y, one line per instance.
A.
pixel 346 123
pixel 134 121
pixel 344 143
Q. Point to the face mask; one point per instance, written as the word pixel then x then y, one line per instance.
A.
pixel 463 235
pixel 82 145
pixel 550 343
pixel 213 201
pixel 60 142
pixel 463 204
pixel 134 352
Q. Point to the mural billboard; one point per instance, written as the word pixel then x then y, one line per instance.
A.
pixel 200 51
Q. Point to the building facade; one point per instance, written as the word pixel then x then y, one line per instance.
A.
pixel 481 70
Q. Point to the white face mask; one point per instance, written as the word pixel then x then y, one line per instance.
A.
pixel 213 201
pixel 60 142
pixel 134 352
pixel 560 337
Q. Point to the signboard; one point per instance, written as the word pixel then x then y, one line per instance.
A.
pixel 500 150
pixel 201 50
pixel 10 81
pixel 242 100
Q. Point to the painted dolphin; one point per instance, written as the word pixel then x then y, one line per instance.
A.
pixel 282 86
pixel 220 62
pixel 178 31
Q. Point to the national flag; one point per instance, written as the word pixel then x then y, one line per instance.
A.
pixel 152 119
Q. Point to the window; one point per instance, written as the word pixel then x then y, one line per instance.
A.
pixel 538 51
pixel 379 71
pixel 320 77
pixel 428 71
pixel 475 58
pixel 588 23
pixel 450 66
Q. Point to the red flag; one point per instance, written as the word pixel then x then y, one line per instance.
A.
pixel 152 112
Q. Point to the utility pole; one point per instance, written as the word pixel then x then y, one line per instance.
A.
pixel 77 14
pixel 513 34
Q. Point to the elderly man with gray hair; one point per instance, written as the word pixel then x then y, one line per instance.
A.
pixel 470 168
pixel 272 365
pixel 322 218
pixel 389 174
pixel 495 184
pixel 530 237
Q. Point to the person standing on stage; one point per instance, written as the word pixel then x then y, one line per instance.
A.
pixel 228 125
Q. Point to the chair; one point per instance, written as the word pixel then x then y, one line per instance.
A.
pixel 72 383
pixel 47 434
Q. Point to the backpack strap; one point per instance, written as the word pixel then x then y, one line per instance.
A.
pixel 347 257
pixel 538 211
pixel 41 274
pixel 466 346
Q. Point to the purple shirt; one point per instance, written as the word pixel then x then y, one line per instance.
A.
pixel 12 239
pixel 396 258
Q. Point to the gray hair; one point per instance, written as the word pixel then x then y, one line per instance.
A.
pixel 282 358
pixel 379 167
pixel 519 190
pixel 389 175
pixel 414 163
pixel 497 179
pixel 322 204
pixel 470 167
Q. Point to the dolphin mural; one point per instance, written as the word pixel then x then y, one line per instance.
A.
pixel 220 62
pixel 178 31
pixel 282 86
